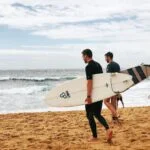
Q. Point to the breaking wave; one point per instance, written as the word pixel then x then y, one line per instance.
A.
pixel 25 90
pixel 36 79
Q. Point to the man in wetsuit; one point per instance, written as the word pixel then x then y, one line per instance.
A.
pixel 93 109
pixel 111 102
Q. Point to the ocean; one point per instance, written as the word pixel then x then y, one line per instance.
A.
pixel 24 90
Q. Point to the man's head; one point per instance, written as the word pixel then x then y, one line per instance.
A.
pixel 109 57
pixel 87 55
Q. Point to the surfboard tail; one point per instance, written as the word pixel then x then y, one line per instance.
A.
pixel 138 73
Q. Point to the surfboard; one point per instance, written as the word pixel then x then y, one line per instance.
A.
pixel 139 73
pixel 74 92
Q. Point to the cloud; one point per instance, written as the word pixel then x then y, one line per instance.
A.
pixel 33 59
pixel 119 26
pixel 31 52
pixel 98 32
pixel 19 5
pixel 73 16
pixel 69 55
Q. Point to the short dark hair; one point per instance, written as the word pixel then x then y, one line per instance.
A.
pixel 109 54
pixel 87 52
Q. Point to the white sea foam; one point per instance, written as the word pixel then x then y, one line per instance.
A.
pixel 25 90
pixel 53 78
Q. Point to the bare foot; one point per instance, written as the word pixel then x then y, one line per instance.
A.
pixel 109 136
pixel 93 139
pixel 116 120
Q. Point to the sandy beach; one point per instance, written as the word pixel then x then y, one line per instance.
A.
pixel 70 131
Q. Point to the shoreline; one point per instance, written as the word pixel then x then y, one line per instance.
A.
pixel 81 108
pixel 70 131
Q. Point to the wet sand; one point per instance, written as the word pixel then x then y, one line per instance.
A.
pixel 70 131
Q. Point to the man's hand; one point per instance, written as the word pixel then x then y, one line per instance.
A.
pixel 88 101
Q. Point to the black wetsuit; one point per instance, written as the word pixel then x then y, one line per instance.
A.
pixel 113 67
pixel 94 109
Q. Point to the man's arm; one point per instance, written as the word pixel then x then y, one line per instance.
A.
pixel 89 87
pixel 89 77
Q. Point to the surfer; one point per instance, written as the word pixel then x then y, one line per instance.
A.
pixel 112 102
pixel 93 109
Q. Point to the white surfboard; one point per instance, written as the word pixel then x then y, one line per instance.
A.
pixel 74 92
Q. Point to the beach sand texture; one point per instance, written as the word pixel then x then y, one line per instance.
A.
pixel 70 131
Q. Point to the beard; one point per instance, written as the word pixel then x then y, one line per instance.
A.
pixel 107 61
pixel 85 61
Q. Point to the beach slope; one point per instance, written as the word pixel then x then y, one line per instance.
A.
pixel 70 131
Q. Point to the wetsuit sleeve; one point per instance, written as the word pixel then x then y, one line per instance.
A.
pixel 89 74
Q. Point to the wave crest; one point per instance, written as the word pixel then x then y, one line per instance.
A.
pixel 35 79
pixel 25 90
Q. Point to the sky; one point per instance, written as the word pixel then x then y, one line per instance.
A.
pixel 42 34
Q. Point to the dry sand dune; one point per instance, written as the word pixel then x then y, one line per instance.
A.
pixel 70 131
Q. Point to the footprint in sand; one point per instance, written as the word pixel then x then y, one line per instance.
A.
pixel 132 140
